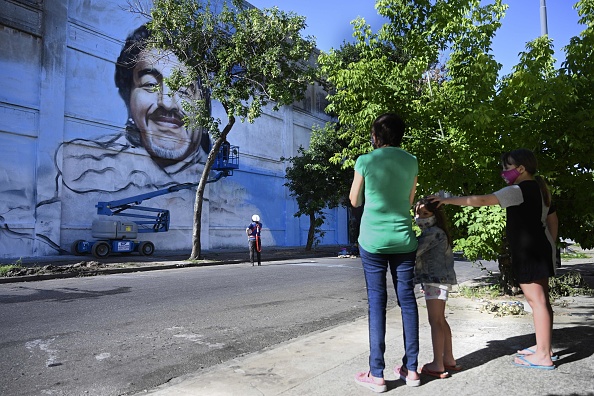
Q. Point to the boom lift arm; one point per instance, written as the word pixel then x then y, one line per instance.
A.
pixel 117 236
pixel 226 161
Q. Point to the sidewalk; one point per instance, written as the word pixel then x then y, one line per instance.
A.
pixel 325 362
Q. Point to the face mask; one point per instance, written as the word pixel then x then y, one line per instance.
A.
pixel 510 175
pixel 426 222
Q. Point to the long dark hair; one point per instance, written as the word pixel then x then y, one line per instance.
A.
pixel 438 213
pixel 527 158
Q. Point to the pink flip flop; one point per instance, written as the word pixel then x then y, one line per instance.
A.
pixel 366 380
pixel 436 374
pixel 398 370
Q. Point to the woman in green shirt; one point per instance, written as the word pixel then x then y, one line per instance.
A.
pixel 386 179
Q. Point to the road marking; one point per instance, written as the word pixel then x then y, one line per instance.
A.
pixel 103 356
pixel 44 346
pixel 196 338
pixel 316 264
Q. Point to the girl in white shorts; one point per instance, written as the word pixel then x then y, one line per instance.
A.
pixel 434 269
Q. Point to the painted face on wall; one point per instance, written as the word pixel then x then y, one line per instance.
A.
pixel 157 111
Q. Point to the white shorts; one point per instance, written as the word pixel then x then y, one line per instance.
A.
pixel 433 292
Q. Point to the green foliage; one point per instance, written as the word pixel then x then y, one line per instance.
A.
pixel 549 111
pixel 569 284
pixel 5 269
pixel 414 85
pixel 315 182
pixel 451 125
pixel 479 292
pixel 318 232
pixel 462 114
pixel 569 256
pixel 246 58
pixel 484 229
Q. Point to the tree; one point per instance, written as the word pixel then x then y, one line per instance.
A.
pixel 315 182
pixel 247 58
pixel 461 120
pixel 574 182
pixel 447 105
pixel 550 111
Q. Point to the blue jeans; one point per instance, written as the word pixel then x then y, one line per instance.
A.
pixel 402 266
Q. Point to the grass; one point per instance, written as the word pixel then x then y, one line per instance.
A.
pixel 569 256
pixel 567 285
pixel 5 269
pixel 490 291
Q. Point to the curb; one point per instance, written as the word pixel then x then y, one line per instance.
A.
pixel 216 258
pixel 110 271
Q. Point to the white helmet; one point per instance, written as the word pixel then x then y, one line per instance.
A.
pixel 255 218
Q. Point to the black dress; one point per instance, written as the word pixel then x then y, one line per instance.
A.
pixel 531 250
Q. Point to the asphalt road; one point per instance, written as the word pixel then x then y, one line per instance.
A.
pixel 121 334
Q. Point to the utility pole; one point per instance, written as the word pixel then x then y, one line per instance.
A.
pixel 543 18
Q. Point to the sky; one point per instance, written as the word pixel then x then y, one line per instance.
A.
pixel 329 21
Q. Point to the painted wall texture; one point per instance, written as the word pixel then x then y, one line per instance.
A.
pixel 69 139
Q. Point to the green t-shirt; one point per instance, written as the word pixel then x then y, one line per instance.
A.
pixel 386 225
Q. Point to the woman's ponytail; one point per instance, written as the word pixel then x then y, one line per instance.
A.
pixel 546 195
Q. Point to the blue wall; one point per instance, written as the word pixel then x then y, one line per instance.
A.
pixel 65 147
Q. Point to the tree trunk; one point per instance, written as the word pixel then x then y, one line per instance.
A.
pixel 506 275
pixel 311 233
pixel 197 226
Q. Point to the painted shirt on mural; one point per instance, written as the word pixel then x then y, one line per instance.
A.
pixel 110 164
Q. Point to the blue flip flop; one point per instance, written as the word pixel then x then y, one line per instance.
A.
pixel 532 365
pixel 554 358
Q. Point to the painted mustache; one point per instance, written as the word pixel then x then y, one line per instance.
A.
pixel 164 116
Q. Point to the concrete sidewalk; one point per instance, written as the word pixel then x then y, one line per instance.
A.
pixel 325 362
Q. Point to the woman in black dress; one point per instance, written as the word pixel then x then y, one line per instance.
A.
pixel 531 230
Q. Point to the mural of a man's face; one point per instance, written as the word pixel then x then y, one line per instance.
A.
pixel 157 111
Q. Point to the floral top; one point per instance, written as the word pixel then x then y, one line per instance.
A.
pixel 435 259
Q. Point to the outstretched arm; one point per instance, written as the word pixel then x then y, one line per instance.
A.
pixel 469 200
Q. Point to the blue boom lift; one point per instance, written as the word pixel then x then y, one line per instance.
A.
pixel 119 236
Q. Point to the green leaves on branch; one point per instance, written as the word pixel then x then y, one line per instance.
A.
pixel 484 228
pixel 314 181
pixel 400 69
pixel 247 58
pixel 432 63
pixel 243 58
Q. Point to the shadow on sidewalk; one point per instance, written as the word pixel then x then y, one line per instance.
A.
pixel 570 343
